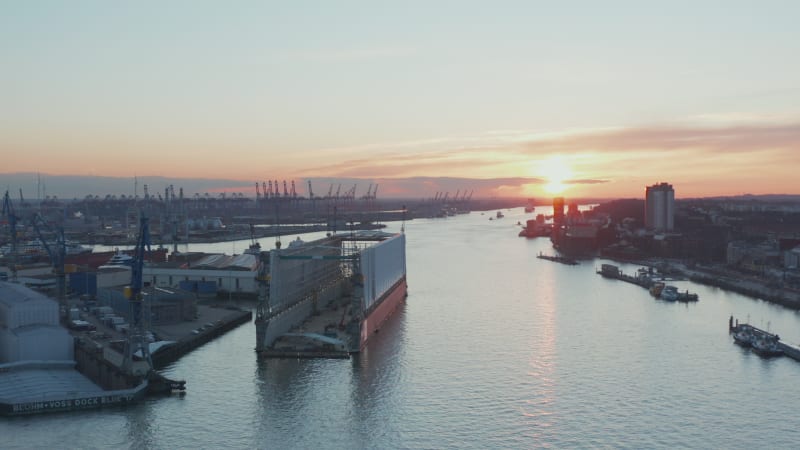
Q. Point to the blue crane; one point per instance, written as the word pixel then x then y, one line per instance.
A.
pixel 137 340
pixel 57 252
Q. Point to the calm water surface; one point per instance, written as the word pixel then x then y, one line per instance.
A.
pixel 493 349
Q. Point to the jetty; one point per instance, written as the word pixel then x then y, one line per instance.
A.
pixel 612 271
pixel 748 335
pixel 559 259
pixel 647 279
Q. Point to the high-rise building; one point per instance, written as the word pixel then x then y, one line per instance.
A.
pixel 558 210
pixel 659 209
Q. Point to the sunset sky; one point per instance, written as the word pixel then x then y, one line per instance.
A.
pixel 585 98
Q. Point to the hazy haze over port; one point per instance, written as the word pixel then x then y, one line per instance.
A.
pixel 532 98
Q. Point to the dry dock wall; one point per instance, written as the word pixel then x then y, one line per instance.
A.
pixel 382 265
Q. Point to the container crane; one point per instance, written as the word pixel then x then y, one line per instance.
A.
pixel 8 213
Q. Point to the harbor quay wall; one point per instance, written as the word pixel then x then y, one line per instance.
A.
pixel 92 364
pixel 185 345
pixel 118 397
pixel 771 295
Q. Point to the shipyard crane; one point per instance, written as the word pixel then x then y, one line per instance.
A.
pixel 57 253
pixel 136 345
pixel 338 189
pixel 8 213
pixel 310 191
pixel 375 191
pixel 330 191
pixel 285 190
pixel 369 190
pixel 258 193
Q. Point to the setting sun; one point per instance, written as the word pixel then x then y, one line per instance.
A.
pixel 557 172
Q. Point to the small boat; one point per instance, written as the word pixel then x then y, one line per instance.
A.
pixel 766 346
pixel 656 289
pixel 500 215
pixel 687 297
pixel 743 336
pixel 669 293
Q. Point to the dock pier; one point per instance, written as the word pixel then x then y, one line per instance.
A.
pixel 787 349
pixel 558 259
pixel 612 271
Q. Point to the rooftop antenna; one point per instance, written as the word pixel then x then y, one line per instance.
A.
pixel 403 223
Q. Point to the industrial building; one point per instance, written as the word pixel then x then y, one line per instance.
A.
pixel 164 306
pixel 659 212
pixel 28 319
pixel 207 274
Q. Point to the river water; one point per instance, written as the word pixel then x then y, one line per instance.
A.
pixel 493 349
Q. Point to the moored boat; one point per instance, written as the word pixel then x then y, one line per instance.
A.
pixel 669 293
pixel 766 345
pixel 743 336
pixel 656 289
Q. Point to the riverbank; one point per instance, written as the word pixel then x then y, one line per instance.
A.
pixel 722 278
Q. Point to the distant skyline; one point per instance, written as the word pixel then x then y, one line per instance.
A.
pixel 526 98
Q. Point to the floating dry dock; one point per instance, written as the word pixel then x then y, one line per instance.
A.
pixel 325 298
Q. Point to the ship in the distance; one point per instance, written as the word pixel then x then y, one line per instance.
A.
pixel 326 298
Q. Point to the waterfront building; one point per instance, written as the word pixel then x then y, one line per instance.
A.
pixel 28 319
pixel 659 212
pixel 208 274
